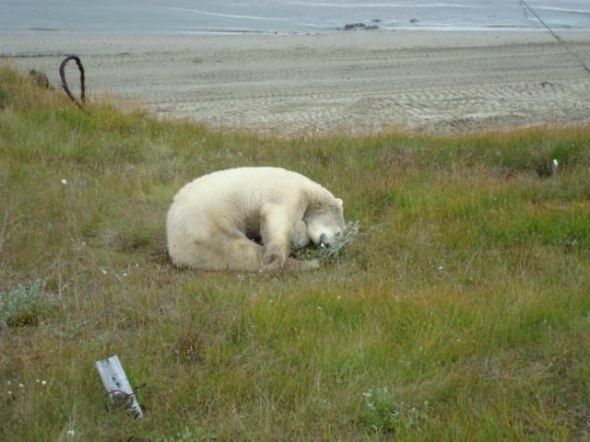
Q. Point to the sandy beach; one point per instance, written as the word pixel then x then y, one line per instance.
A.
pixel 353 81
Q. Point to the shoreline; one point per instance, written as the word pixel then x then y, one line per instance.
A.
pixel 312 32
pixel 357 81
pixel 576 32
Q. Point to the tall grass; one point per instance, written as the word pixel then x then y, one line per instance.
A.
pixel 461 311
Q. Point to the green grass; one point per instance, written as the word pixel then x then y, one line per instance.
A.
pixel 460 312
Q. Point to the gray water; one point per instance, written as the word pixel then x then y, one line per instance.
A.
pixel 284 16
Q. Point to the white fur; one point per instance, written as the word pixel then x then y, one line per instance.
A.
pixel 214 220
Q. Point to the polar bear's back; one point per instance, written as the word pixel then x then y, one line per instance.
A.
pixel 249 185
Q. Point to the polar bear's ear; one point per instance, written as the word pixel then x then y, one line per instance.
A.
pixel 340 202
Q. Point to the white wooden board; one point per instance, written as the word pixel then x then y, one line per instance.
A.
pixel 115 382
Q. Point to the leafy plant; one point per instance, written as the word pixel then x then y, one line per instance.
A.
pixel 384 414
pixel 24 305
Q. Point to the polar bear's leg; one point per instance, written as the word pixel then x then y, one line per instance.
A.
pixel 276 231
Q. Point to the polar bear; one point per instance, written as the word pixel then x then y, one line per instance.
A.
pixel 246 219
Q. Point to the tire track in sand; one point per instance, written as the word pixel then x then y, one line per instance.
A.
pixel 297 84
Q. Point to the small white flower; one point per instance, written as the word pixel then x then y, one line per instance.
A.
pixel 44 382
pixel 37 381
pixel 367 394
pixel 554 165
pixel 21 386
pixel 104 272
pixel 440 268
pixel 64 181
pixel 125 274
pixel 10 393
pixel 71 432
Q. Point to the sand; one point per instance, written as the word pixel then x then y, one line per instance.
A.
pixel 354 81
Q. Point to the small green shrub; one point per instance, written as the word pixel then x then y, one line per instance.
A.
pixel 24 305
pixel 383 413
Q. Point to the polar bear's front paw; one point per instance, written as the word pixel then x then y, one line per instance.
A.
pixel 290 265
pixel 276 256
pixel 273 267
pixel 297 265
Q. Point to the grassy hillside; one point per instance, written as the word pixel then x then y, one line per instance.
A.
pixel 461 312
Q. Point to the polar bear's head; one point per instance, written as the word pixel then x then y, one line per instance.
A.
pixel 325 223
